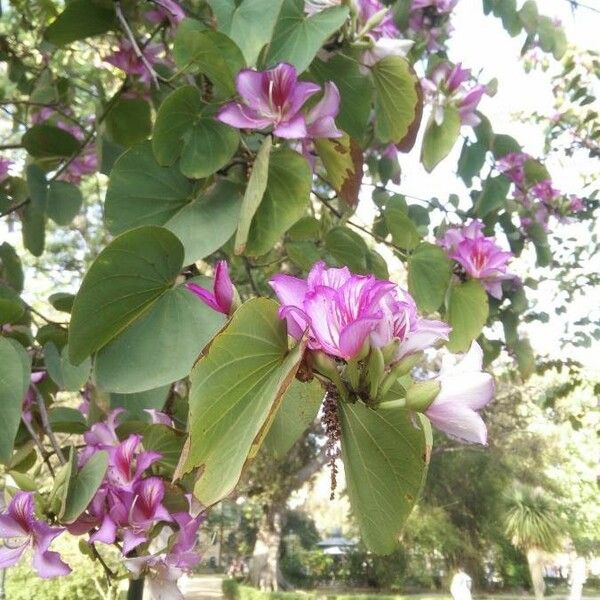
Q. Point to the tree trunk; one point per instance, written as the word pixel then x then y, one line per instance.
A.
pixel 535 563
pixel 264 570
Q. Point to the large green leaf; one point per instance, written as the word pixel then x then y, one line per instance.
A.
pixel 47 141
pixel 11 305
pixel 135 404
pixel 248 23
pixel 84 485
pixel 467 314
pixel 129 121
pixel 67 420
pixel 429 272
pixel 298 37
pixel 284 201
pixel 126 278
pixel 356 92
pixel 140 192
pixel 235 387
pixel 79 20
pixel 404 231
pixel 299 408
pixel 14 380
pixel 67 376
pixel 385 454
pixel 211 53
pixel 178 326
pixel 64 202
pixel 396 98
pixel 439 140
pixel 167 442
pixel 493 195
pixel 348 248
pixel 11 270
pixel 33 217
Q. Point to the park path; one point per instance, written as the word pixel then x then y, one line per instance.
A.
pixel 202 587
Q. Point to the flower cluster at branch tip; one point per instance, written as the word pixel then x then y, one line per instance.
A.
pixel 223 297
pixel 450 85
pixel 343 312
pixel 479 256
pixel 5 165
pixel 464 390
pixel 275 98
pixel 166 10
pixel 127 60
pixel 20 530
pixel 540 200
pixel 429 20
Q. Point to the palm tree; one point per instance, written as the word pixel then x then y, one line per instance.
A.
pixel 532 523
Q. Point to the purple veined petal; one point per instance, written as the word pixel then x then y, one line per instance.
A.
pixel 21 509
pixel 320 305
pixel 300 93
pixel 289 290
pixel 493 288
pixel 457 76
pixel 295 128
pixel 223 287
pixel 9 527
pixel 324 128
pixel 145 460
pixel 353 337
pixel 334 278
pixel 242 117
pixel 49 564
pixel 107 534
pixel 132 540
pixel 468 117
pixel 327 106
pixel 253 87
pixel 473 391
pixel 296 319
pixel 43 535
pixel 425 336
pixel 10 556
pixel 458 422
pixel 205 295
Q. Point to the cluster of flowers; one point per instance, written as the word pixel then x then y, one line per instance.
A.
pixel 539 201
pixel 86 161
pixel 479 256
pixel 347 316
pixel 451 85
pixel 125 509
pixel 429 20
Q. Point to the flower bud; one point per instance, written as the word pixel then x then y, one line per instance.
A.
pixel 375 371
pixel 421 394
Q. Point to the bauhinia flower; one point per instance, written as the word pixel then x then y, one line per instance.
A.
pixel 126 59
pixel 429 19
pixel 449 85
pixel 464 390
pixel 343 312
pixel 275 98
pixel 222 298
pixel 19 529
pixel 480 256
pixel 166 10
pixel 512 165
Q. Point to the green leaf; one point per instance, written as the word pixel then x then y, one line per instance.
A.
pixel 79 20
pixel 299 408
pixel 178 324
pixel 84 485
pixel 356 92
pixel 535 172
pixel 525 357
pixel 385 454
pixel 14 381
pixel 11 306
pixel 503 145
pixel 49 142
pixel 62 301
pixel 439 140
pixel 348 248
pixel 129 121
pixel 253 196
pixel 250 24
pixel 11 270
pixel 336 158
pixel 429 273
pixel 396 98
pixel 142 193
pixel 529 15
pixel 67 420
pixel 472 159
pixel 304 254
pixel 493 195
pixel 403 230
pixel 124 281
pixel 211 53
pixel 167 442
pixel 284 202
pixel 34 213
pixel 135 404
pixel 66 375
pixel 467 314
pixel 297 37
pixel 540 241
pixel 235 387
pixel 64 202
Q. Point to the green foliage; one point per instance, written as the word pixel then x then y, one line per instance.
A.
pixel 439 140
pixel 467 314
pixel 429 272
pixel 79 20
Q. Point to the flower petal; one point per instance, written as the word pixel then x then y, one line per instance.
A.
pixel 10 556
pixel 205 295
pixel 223 287
pixel 242 117
pixel 458 422
pixel 49 564
pixel 354 335
pixel 295 128
pixel 252 86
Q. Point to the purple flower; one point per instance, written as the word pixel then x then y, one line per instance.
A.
pixel 5 165
pixel 126 59
pixel 464 390
pixel 386 27
pixel 166 10
pixel 158 417
pixel 576 204
pixel 320 119
pixel 512 165
pixel 30 395
pixel 272 98
pixel 545 191
pixel 127 463
pixel 20 529
pixel 454 235
pixel 221 298
pixel 342 312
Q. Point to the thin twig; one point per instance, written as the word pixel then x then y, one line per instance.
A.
pixel 41 316
pixel 14 208
pixel 253 285
pixel 134 44
pixel 38 443
pixel 10 146
pixel 110 574
pixel 46 423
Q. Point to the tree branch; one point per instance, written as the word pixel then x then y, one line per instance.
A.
pixel 46 423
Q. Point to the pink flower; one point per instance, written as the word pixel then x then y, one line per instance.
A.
pixel 126 59
pixel 465 389
pixel 222 297
pixel 479 256
pixel 320 119
pixel 127 463
pixel 166 10
pixel 30 396
pixel 342 312
pixel 545 191
pixel 20 529
pixel 576 204
pixel 5 165
pixel 158 417
pixel 512 165
pixel 272 98
pixel 386 27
